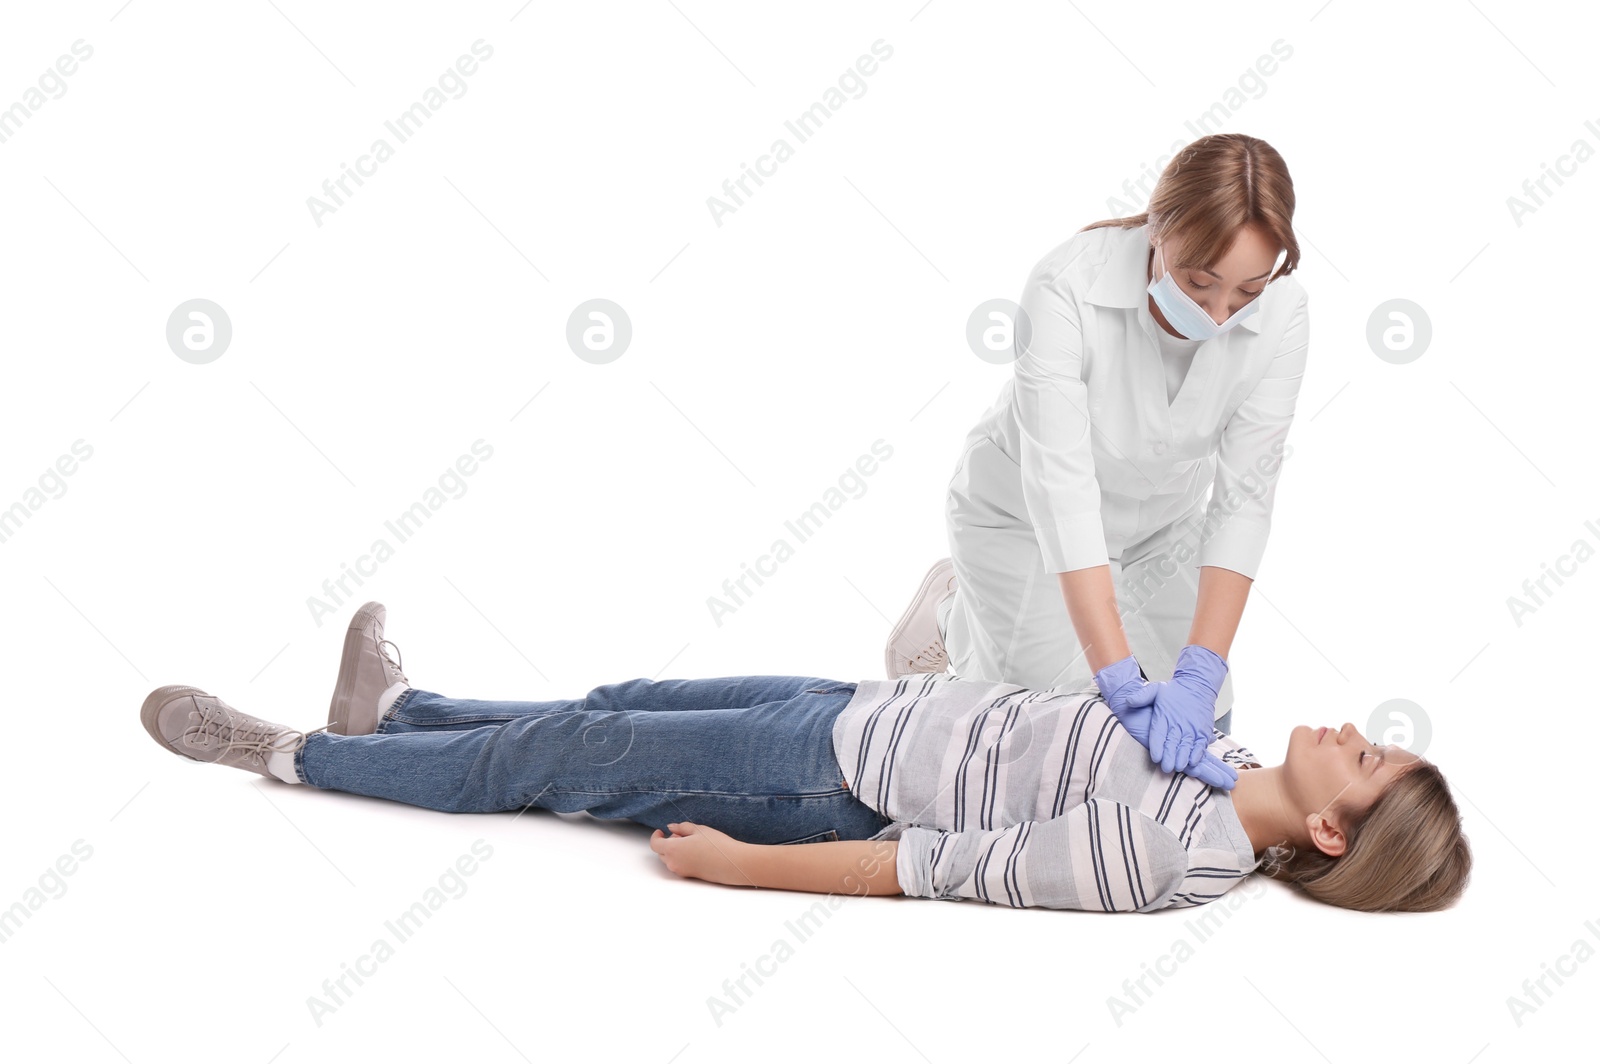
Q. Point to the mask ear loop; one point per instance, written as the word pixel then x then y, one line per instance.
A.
pixel 1282 258
pixel 1335 798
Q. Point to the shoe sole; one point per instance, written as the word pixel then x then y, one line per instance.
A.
pixel 940 572
pixel 344 689
pixel 151 710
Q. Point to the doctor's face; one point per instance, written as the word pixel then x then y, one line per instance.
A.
pixel 1221 287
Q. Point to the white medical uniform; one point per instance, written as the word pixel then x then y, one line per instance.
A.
pixel 1101 450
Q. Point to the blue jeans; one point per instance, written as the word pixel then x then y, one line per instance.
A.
pixel 748 755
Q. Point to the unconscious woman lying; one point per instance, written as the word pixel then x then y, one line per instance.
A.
pixel 923 785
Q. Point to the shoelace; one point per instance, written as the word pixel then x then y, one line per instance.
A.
pixel 395 661
pixel 256 740
pixel 931 657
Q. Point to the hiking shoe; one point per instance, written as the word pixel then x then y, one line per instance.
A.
pixel 366 673
pixel 202 727
pixel 915 644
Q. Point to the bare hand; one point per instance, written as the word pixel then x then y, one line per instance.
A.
pixel 700 852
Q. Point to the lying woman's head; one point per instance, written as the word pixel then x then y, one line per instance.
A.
pixel 1390 838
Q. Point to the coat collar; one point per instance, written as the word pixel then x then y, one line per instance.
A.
pixel 1122 282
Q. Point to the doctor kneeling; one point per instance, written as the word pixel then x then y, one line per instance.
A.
pixel 1128 466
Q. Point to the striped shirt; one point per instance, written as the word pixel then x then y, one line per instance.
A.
pixel 1028 797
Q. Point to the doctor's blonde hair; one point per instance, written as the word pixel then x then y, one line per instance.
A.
pixel 1211 189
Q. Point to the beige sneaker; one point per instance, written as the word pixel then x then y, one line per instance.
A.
pixel 366 672
pixel 202 727
pixel 914 644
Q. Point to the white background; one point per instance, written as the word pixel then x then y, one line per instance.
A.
pixel 768 353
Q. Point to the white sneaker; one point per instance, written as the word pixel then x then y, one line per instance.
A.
pixel 366 674
pixel 202 727
pixel 915 644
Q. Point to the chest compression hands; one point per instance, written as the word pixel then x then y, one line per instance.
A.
pixel 1132 699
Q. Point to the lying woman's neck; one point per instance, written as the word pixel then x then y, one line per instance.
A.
pixel 1265 811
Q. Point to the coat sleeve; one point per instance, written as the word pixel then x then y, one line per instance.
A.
pixel 1058 477
pixel 1249 456
pixel 1102 856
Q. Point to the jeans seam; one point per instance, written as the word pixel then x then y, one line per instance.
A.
pixel 467 719
pixel 826 835
pixel 389 715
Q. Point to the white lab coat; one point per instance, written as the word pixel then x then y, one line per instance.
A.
pixel 1080 461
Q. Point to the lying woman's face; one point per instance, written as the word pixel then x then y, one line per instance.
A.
pixel 1322 764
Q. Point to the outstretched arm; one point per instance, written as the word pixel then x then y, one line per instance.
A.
pixel 1092 607
pixel 853 867
pixel 1218 608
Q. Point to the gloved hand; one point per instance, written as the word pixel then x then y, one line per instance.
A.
pixel 1184 711
pixel 1123 686
pixel 1211 769
pixel 1214 771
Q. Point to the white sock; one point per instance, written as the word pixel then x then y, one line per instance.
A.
pixel 281 764
pixel 387 699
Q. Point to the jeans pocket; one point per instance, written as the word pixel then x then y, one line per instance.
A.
pixel 821 836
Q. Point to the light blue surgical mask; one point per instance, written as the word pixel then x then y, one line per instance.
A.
pixel 1187 316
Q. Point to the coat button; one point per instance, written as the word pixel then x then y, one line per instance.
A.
pixel 1159 447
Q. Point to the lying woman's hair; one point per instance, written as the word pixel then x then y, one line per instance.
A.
pixel 1405 853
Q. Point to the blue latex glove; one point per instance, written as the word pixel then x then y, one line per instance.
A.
pixel 1130 697
pixel 1211 769
pixel 1120 682
pixel 1184 711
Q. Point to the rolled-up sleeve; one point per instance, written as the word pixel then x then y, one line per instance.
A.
pixel 1250 455
pixel 1058 478
pixel 1101 856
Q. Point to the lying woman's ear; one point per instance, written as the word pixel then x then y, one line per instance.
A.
pixel 1325 837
